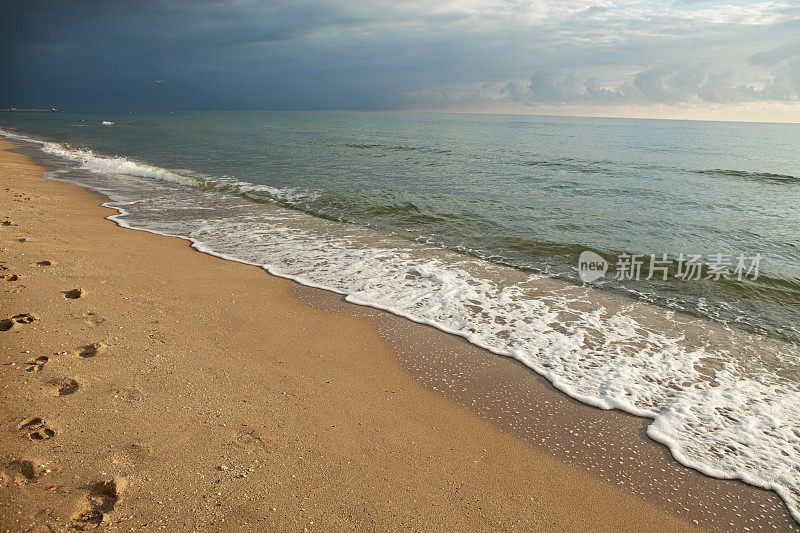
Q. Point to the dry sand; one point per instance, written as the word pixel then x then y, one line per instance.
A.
pixel 180 391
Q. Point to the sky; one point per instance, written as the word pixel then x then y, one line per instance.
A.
pixel 710 60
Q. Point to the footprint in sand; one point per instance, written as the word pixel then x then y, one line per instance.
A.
pixel 36 365
pixel 94 319
pixel 25 470
pixel 100 501
pixel 92 350
pixel 73 294
pixel 36 428
pixel 137 452
pixel 10 323
pixel 130 394
pixel 21 197
pixel 7 275
pixel 63 386
pixel 250 438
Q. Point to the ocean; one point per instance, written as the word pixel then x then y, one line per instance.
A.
pixel 651 266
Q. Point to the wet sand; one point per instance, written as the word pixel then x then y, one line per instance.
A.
pixel 180 390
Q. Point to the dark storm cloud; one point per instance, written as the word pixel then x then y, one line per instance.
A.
pixel 105 53
pixel 386 54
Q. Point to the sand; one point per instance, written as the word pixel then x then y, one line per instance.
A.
pixel 146 385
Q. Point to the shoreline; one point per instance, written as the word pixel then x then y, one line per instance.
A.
pixel 381 359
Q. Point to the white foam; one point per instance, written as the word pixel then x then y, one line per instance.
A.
pixel 114 165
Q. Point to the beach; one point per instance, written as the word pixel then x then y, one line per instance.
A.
pixel 218 401
pixel 149 385
pixel 430 267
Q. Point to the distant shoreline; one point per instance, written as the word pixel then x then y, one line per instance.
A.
pixel 29 110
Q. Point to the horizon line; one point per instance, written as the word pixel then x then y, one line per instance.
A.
pixel 11 109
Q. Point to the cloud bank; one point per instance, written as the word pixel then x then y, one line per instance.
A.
pixel 344 54
pixel 664 84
